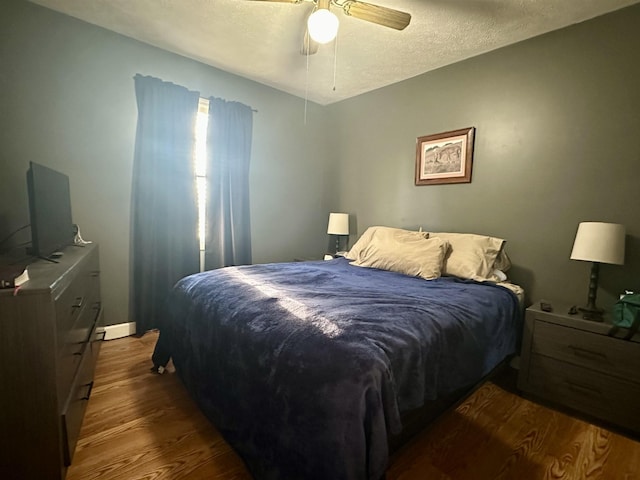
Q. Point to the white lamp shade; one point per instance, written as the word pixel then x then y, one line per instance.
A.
pixel 338 224
pixel 322 25
pixel 599 242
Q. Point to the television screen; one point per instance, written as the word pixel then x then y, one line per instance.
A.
pixel 49 210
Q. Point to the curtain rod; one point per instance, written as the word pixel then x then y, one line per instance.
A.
pixel 207 99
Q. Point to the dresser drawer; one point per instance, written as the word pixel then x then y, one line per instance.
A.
pixel 77 309
pixel 67 307
pixel 76 403
pixel 79 333
pixel 600 395
pixel 600 353
pixel 76 339
pixel 83 283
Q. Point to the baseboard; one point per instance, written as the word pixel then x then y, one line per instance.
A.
pixel 118 331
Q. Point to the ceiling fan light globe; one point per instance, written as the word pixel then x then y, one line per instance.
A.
pixel 322 26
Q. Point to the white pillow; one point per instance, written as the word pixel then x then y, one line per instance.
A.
pixel 383 233
pixel 414 256
pixel 470 256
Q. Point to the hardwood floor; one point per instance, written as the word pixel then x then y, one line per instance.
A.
pixel 144 426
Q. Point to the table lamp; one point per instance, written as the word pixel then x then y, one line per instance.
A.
pixel 338 226
pixel 598 242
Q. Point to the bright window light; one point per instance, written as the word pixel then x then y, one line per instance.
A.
pixel 202 122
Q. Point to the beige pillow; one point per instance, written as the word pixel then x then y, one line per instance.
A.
pixel 415 256
pixel 470 255
pixel 383 233
pixel 503 262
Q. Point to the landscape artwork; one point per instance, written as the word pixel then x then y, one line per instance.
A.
pixel 444 157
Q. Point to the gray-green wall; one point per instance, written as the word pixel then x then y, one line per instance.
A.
pixel 557 120
pixel 556 143
pixel 67 101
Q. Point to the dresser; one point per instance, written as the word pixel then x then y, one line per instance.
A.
pixel 48 351
pixel 575 363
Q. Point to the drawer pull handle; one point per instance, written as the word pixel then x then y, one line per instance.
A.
pixel 577 387
pixel 585 353
pixel 95 273
pixel 78 304
pixel 90 385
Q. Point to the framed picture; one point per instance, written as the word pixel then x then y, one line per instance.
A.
pixel 445 157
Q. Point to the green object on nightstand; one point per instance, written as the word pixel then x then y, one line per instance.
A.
pixel 626 313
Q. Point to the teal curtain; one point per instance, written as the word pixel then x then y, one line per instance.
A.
pixel 228 222
pixel 164 244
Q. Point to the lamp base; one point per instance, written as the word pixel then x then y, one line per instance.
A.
pixel 593 314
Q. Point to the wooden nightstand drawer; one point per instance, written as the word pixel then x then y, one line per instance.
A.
pixel 595 352
pixel 597 394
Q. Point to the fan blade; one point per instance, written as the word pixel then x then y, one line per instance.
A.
pixel 377 14
pixel 309 45
pixel 279 1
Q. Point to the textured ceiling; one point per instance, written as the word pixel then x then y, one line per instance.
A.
pixel 261 40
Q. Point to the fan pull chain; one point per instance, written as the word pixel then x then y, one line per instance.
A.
pixel 306 80
pixel 335 62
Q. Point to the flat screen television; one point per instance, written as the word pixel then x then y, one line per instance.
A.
pixel 49 210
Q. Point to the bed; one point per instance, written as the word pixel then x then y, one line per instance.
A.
pixel 310 369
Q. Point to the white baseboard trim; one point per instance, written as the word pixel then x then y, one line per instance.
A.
pixel 119 330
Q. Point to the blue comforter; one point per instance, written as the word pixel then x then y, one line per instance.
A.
pixel 306 367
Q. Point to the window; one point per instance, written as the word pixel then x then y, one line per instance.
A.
pixel 200 160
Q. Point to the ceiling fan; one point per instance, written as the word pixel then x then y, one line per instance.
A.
pixel 322 25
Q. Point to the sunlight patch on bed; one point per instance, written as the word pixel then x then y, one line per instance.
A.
pixel 298 309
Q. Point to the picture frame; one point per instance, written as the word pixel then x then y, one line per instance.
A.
pixel 445 157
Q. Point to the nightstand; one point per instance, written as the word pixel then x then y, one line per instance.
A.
pixel 575 363
pixel 307 259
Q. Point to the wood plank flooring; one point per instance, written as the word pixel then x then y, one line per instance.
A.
pixel 144 426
